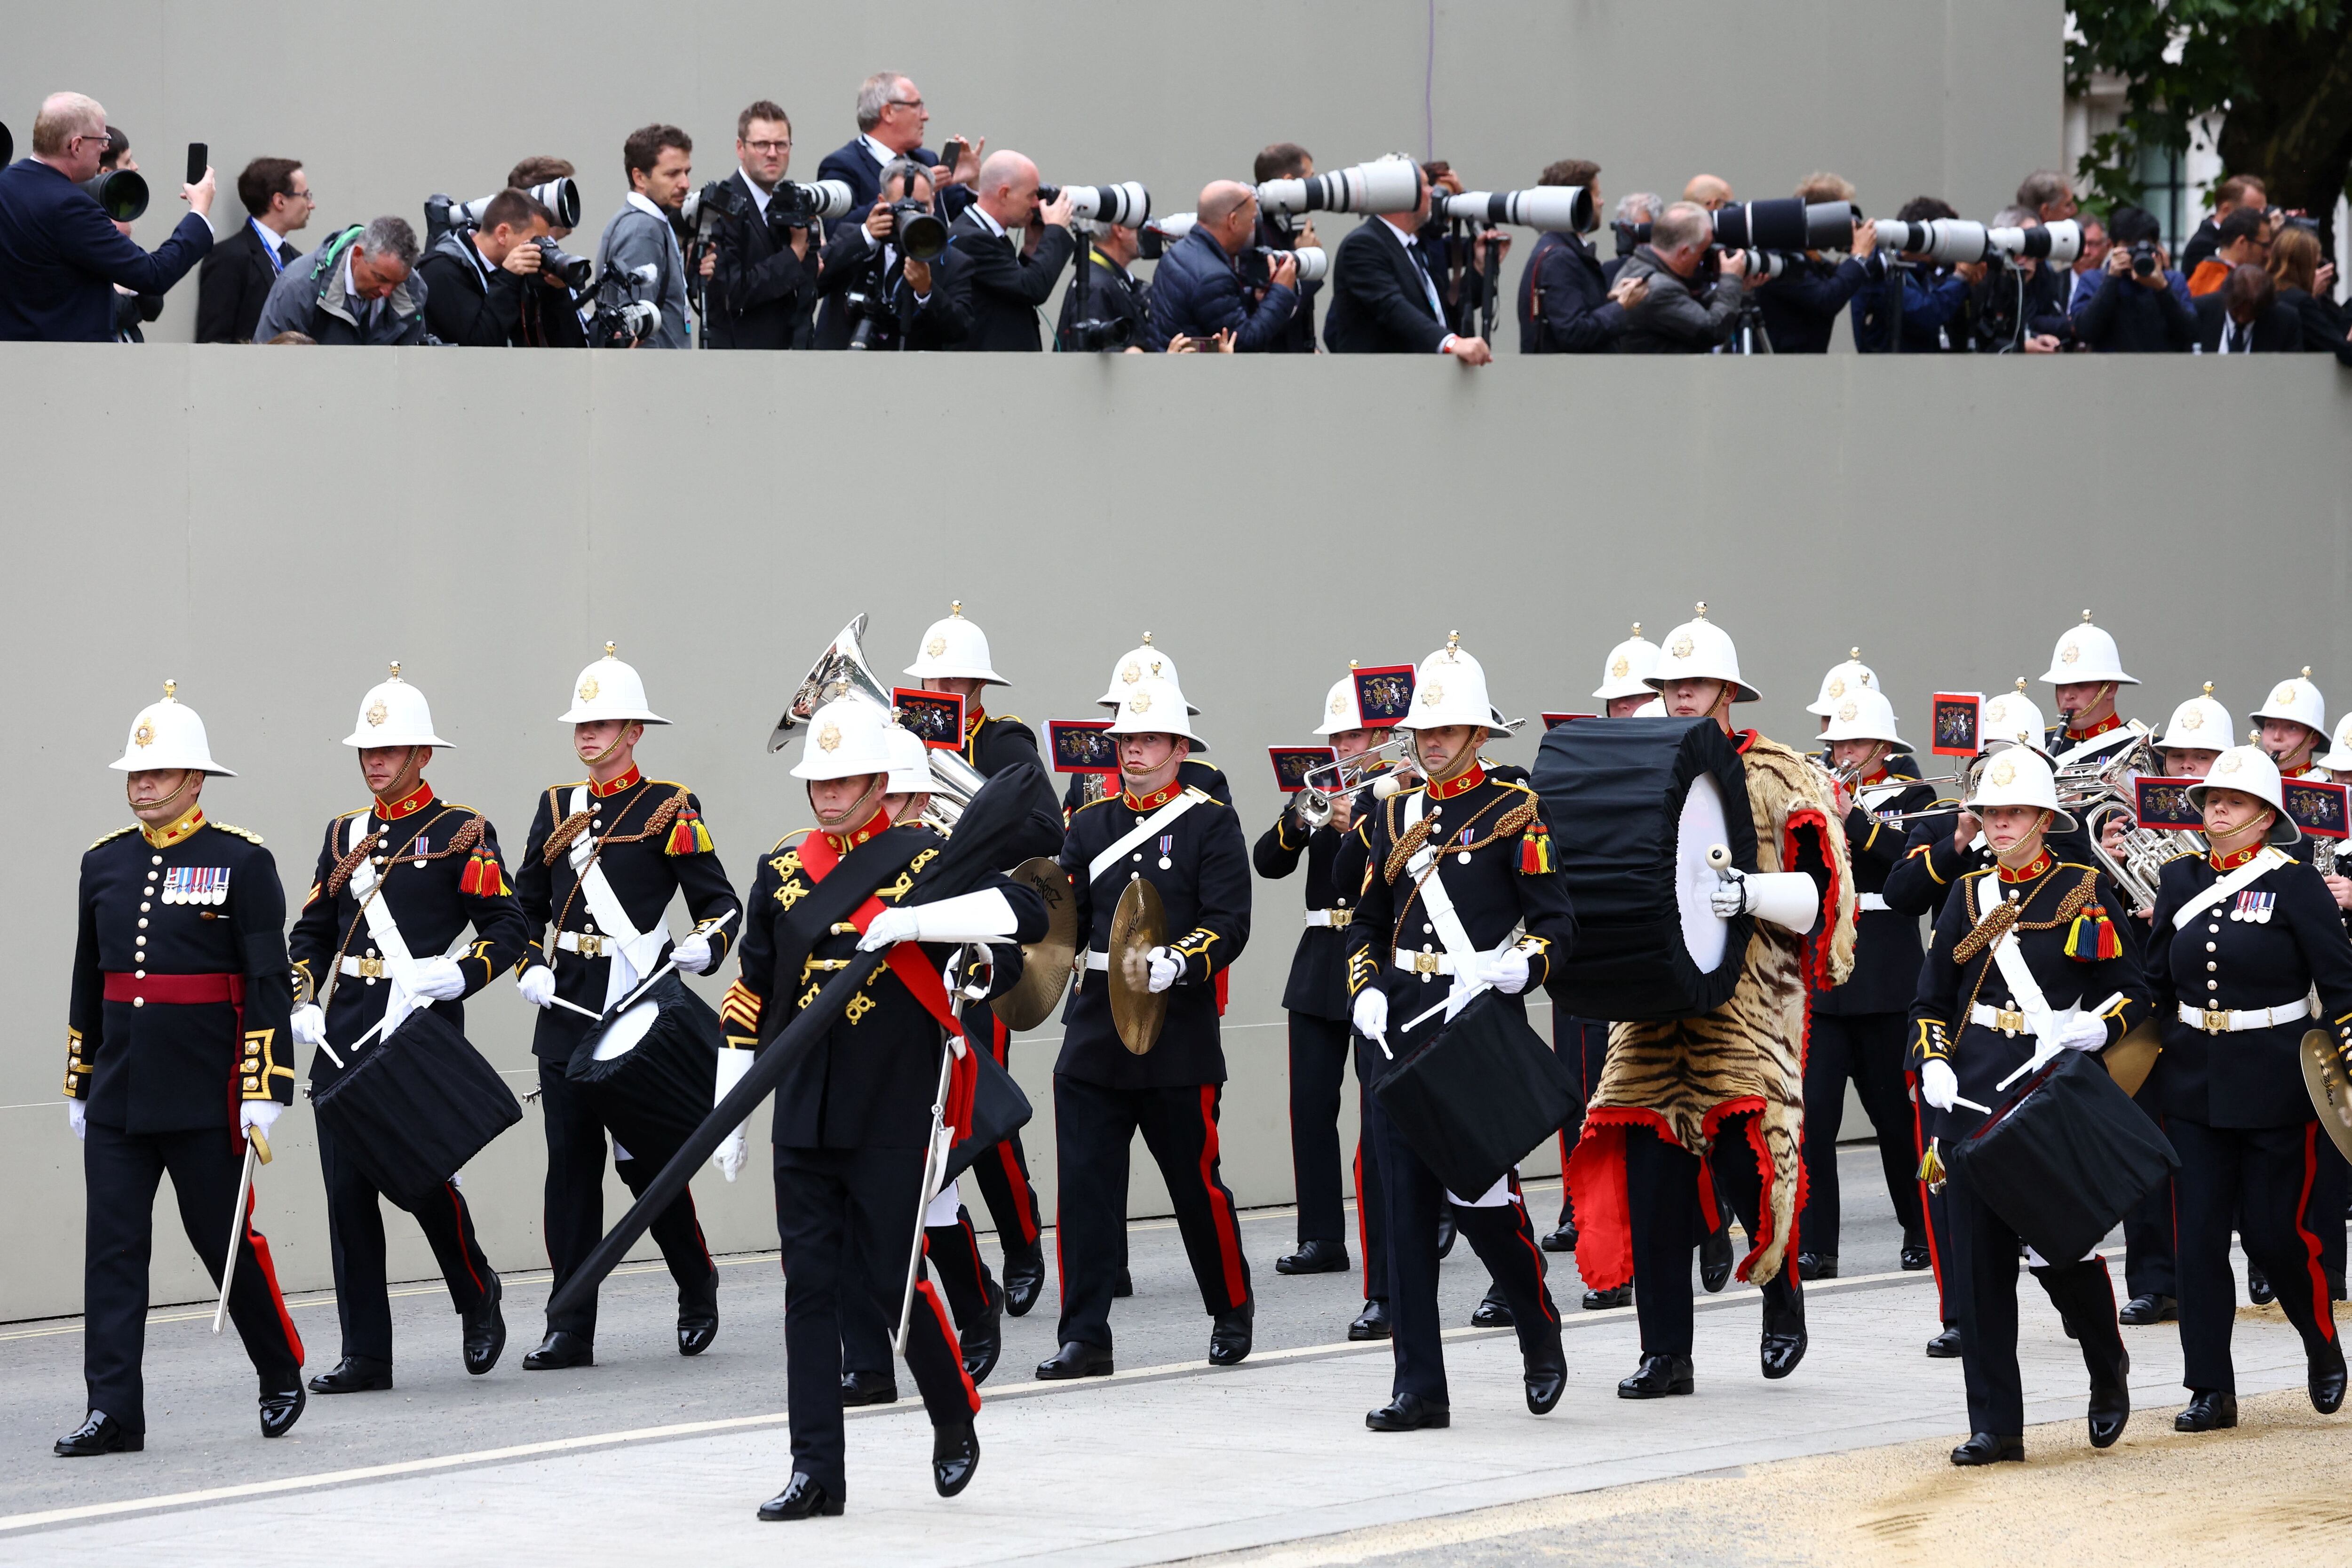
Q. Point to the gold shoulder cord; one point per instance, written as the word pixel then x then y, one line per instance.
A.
pixel 1512 822
pixel 464 839
pixel 2076 901
pixel 655 822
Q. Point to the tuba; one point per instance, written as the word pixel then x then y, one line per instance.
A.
pixel 841 671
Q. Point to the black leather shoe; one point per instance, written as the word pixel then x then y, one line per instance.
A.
pixel 983 1340
pixel 1916 1258
pixel 1075 1359
pixel 279 1411
pixel 1229 1340
pixel 1658 1376
pixel 2110 1409
pixel 562 1347
pixel 1025 1278
pixel 1125 1287
pixel 1372 1323
pixel 353 1374
pixel 1492 1311
pixel 100 1433
pixel 1563 1239
pixel 1945 1346
pixel 2258 1286
pixel 696 1329
pixel 1984 1448
pixel 1602 1300
pixel 869 1388
pixel 1781 1352
pixel 2142 1310
pixel 1817 1265
pixel 1714 1259
pixel 955 1455
pixel 2325 1378
pixel 1546 1374
pixel 485 1329
pixel 1446 1232
pixel 1408 1413
pixel 1314 1257
pixel 804 1497
pixel 2208 1410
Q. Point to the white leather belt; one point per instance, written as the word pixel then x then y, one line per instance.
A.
pixel 1423 963
pixel 2231 1020
pixel 586 944
pixel 1338 920
pixel 1100 961
pixel 363 968
pixel 2012 1020
pixel 1869 901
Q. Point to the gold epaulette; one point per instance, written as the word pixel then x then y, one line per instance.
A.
pixel 2185 855
pixel 246 834
pixel 796 833
pixel 109 838
pixel 1104 800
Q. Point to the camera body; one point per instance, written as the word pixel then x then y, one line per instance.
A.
pixel 624 325
pixel 792 204
pixel 573 271
pixel 2143 257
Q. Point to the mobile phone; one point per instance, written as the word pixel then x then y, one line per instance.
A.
pixel 199 160
pixel 951 154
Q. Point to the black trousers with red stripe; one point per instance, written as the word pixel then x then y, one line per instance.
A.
pixel 1318 1065
pixel 1002 1173
pixel 1582 1046
pixel 1662 1210
pixel 355 1234
pixel 844 1217
pixel 1936 1209
pixel 951 1254
pixel 2260 1180
pixel 1866 1048
pixel 1371 1192
pixel 1094 1128
pixel 119 1173
pixel 572 1214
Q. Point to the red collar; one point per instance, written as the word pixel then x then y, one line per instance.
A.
pixel 1155 800
pixel 2112 721
pixel 1461 783
pixel 973 722
pixel 875 826
pixel 1881 776
pixel 409 805
pixel 1744 739
pixel 629 780
pixel 179 827
pixel 2235 858
pixel 2042 863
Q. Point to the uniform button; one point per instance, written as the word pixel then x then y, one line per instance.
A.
pixel 1425 929
pixel 590 927
pixel 2210 964
pixel 2213 985
pixel 139 1001
pixel 1137 855
pixel 144 908
pixel 1135 876
pixel 2209 947
pixel 142 925
pixel 138 974
pixel 156 859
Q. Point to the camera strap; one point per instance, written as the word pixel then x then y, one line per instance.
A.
pixel 331 253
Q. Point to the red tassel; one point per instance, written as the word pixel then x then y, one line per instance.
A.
pixel 1534 851
pixel 469 881
pixel 963 1087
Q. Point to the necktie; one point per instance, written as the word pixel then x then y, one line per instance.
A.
pixel 1428 285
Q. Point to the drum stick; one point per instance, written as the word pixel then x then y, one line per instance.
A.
pixel 254 1145
pixel 651 981
pixel 576 1007
pixel 1428 1013
pixel 1972 1105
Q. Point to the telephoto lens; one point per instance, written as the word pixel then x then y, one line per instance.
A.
pixel 1563 208
pixel 1384 185
pixel 560 197
pixel 2058 243
pixel 1314 262
pixel 1153 240
pixel 121 193
pixel 815 199
pixel 572 271
pixel 1126 204
pixel 1948 241
pixel 920 234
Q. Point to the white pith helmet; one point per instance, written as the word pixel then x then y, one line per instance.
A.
pixel 847 737
pixel 2251 771
pixel 1156 707
pixel 2012 719
pixel 1629 664
pixel 1864 714
pixel 168 734
pixel 2199 724
pixel 1141 662
pixel 2296 700
pixel 1698 649
pixel 609 689
pixel 910 768
pixel 2086 653
pixel 955 649
pixel 1843 681
pixel 1450 687
pixel 2021 775
pixel 394 713
pixel 2339 751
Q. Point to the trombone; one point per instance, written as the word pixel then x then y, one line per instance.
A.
pixel 1380 769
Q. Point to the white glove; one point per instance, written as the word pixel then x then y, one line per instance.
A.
pixel 78 1118
pixel 2088 1031
pixel 537 984
pixel 890 927
pixel 1940 1086
pixel 733 1063
pixel 438 978
pixel 309 1024
pixel 1731 896
pixel 1507 972
pixel 693 954
pixel 1165 968
pixel 260 1113
pixel 1370 1012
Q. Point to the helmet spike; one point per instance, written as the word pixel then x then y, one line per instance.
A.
pixel 955 607
pixel 2306 672
pixel 2086 615
pixel 2208 689
pixel 1702 609
pixel 1351 664
pixel 1637 628
pixel 1453 639
pixel 609 650
pixel 1853 653
pixel 171 692
pixel 2020 683
pixel 1146 639
pixel 395 670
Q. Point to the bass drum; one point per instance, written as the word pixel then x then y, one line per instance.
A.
pixel 1634 804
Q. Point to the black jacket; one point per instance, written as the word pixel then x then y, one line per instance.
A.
pixel 232 280
pixel 1923 300
pixel 1801 306
pixel 2277 330
pixel 1677 318
pixel 2124 316
pixel 1564 304
pixel 2201 247
pixel 1378 303
pixel 1113 294
pixel 995 741
pixel 1006 288
pixel 1204 777
pixel 852 163
pixel 941 320
pixel 2321 318
pixel 1319 970
pixel 468 301
pixel 1198 291
pixel 1886 941
pixel 760 295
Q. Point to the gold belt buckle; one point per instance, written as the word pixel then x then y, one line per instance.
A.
pixel 590 945
pixel 2009 1021
pixel 370 969
pixel 2216 1020
pixel 1429 964
pixel 1339 918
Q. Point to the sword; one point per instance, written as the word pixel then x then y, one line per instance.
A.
pixel 257 1149
pixel 935 1165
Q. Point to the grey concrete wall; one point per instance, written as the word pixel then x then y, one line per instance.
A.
pixel 269 529
pixel 1954 98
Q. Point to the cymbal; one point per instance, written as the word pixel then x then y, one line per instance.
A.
pixel 2130 1059
pixel 1045 964
pixel 2324 1080
pixel 1137 926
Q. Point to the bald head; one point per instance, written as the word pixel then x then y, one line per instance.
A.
pixel 70 132
pixel 1229 212
pixel 1008 188
pixel 1708 190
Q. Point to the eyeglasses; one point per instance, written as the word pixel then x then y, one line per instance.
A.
pixel 903 103
pixel 770 148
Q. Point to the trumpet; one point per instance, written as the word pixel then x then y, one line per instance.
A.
pixel 1381 770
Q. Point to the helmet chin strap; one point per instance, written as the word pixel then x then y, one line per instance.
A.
pixel 2011 856
pixel 620 737
pixel 1456 765
pixel 411 774
pixel 187 777
pixel 2230 843
pixel 861 808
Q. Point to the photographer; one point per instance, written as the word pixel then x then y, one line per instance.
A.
pixel 1458 262
pixel 1197 290
pixel 132 310
pixel 903 304
pixel 2141 304
pixel 1284 231
pixel 1114 294
pixel 1383 301
pixel 1911 307
pixel 242 269
pixel 1007 286
pixel 60 257
pixel 2306 285
pixel 2018 305
pixel 659 161
pixel 1801 306
pixel 762 287
pixel 476 278
pixel 2245 316
pixel 2049 195
pixel 2084 276
pixel 1683 313
pixel 1567 305
pixel 1636 212
pixel 361 287
pixel 891 116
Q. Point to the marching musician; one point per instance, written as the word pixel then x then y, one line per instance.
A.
pixel 1189 846
pixel 854 1112
pixel 1860 1028
pixel 175 1054
pixel 1842 680
pixel 2294 727
pixel 1463 889
pixel 2033 956
pixel 1725 1088
pixel 1142 662
pixel 383 934
pixel 2243 936
pixel 2087 671
pixel 605 856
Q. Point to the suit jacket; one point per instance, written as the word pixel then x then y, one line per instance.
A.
pixel 61 258
pixel 942 321
pixel 2277 330
pixel 1378 305
pixel 1007 287
pixel 1564 304
pixel 761 295
pixel 853 163
pixel 234 280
